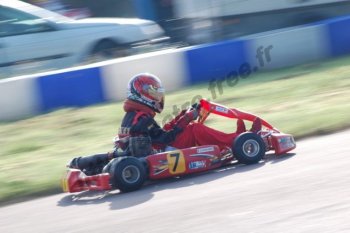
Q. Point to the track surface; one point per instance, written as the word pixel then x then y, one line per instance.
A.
pixel 305 192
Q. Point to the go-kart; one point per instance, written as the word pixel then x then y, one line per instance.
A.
pixel 128 173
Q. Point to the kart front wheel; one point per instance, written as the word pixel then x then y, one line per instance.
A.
pixel 127 174
pixel 248 148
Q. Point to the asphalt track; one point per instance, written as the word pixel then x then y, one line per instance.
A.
pixel 308 191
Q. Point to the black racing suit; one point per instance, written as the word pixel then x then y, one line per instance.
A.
pixel 139 128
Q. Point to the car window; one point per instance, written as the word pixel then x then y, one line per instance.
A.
pixel 14 22
pixel 34 10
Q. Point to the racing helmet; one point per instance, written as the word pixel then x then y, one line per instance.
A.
pixel 147 89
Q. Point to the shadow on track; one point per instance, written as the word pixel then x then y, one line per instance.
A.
pixel 119 200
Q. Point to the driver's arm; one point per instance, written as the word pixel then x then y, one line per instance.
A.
pixel 148 126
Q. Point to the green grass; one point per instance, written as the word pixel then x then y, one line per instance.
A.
pixel 305 100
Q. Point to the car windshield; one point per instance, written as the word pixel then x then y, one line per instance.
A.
pixel 34 10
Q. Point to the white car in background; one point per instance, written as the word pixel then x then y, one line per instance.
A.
pixel 33 39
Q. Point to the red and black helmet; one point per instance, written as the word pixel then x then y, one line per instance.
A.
pixel 147 89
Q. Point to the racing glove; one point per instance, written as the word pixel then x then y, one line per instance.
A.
pixel 179 120
pixel 171 124
pixel 187 118
pixel 196 106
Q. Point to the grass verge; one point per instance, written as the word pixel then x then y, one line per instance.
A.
pixel 304 100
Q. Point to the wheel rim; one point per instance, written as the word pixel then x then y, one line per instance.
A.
pixel 130 174
pixel 251 148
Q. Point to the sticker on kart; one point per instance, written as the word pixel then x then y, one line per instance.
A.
pixel 176 161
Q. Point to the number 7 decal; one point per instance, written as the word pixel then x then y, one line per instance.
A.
pixel 176 162
pixel 177 156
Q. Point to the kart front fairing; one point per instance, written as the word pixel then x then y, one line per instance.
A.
pixel 274 139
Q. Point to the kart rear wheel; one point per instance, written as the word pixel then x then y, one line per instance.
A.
pixel 248 148
pixel 127 174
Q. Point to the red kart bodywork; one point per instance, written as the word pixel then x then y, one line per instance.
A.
pixel 189 160
pixel 275 140
pixel 76 181
pixel 185 161
pixel 161 165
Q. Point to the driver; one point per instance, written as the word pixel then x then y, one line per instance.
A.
pixel 145 98
pixel 140 135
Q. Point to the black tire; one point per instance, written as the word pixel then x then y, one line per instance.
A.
pixel 248 148
pixel 127 174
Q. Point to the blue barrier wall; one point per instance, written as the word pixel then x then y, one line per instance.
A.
pixel 71 89
pixel 339 36
pixel 145 9
pixel 214 61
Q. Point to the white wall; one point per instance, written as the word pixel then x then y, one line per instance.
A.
pixel 289 47
pixel 169 66
pixel 18 98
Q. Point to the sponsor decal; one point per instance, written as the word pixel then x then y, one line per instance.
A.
pixel 161 167
pixel 205 149
pixel 221 109
pixel 206 156
pixel 158 171
pixel 197 165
